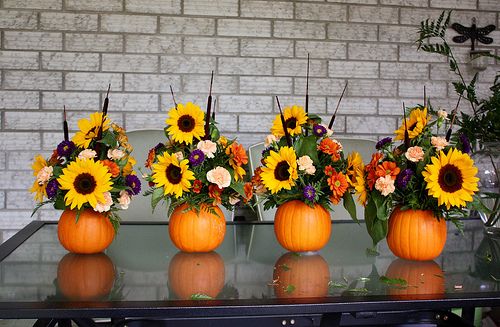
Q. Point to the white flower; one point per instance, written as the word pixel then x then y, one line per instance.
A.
pixel 179 155
pixel 269 140
pixel 439 142
pixel 106 206
pixel 124 200
pixel 44 175
pixel 305 163
pixel 219 176
pixel 115 154
pixel 442 114
pixel 329 132
pixel 207 147
pixel 385 185
pixel 87 154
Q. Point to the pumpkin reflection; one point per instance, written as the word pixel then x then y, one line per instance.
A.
pixel 196 273
pixel 423 277
pixel 85 277
pixel 298 275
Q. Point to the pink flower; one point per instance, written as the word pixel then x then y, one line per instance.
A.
pixel 207 147
pixel 115 154
pixel 442 114
pixel 219 176
pixel 439 142
pixel 124 200
pixel 106 206
pixel 385 185
pixel 87 154
pixel 414 154
pixel 269 140
pixel 179 155
pixel 305 163
pixel 44 175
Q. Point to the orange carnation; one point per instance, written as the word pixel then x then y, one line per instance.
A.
pixel 113 168
pixel 248 191
pixel 338 185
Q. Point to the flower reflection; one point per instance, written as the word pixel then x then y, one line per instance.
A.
pixel 423 278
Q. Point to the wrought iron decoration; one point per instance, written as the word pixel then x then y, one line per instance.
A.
pixel 473 33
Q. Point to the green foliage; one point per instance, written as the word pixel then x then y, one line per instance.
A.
pixel 350 206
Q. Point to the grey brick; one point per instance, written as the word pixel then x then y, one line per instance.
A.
pixel 134 102
pixel 93 81
pixel 15 19
pixel 19 140
pixel 364 2
pixel 245 103
pixel 352 106
pixel 32 40
pixel 414 89
pixel 20 200
pixel 483 5
pixel 128 23
pixel 42 120
pixel 70 61
pixel 72 100
pixel 353 69
pixel 321 49
pixel 370 125
pixel 93 42
pixel 94 5
pixel 3 162
pixel 372 88
pixel 154 6
pixel 299 30
pixel 266 9
pixel 33 4
pixel 455 4
pixel 245 66
pixel 151 83
pixel 22 160
pixel 244 27
pixel 197 98
pixel 16 180
pixel 68 22
pixel 393 33
pixel 316 104
pixel 319 86
pixel 265 85
pixel 129 63
pixel 2 202
pixel 162 44
pixel 413 16
pixel 211 7
pixel 320 11
pixel 266 48
pixel 145 121
pixel 10 219
pixel 256 123
pixel 187 64
pixel 366 14
pixel 392 70
pixel 382 52
pixel 393 106
pixel 187 25
pixel 405 3
pixel 355 32
pixel 212 46
pixel 222 84
pixel 19 60
pixel 298 67
pixel 32 80
pixel 410 53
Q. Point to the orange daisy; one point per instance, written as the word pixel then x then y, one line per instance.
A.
pixel 387 168
pixel 338 185
pixel 113 168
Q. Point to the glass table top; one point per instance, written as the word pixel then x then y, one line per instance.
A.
pixel 143 265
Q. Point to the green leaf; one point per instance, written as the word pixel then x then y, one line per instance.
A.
pixel 238 187
pixel 156 197
pixel 381 205
pixel 394 281
pixel 200 296
pixel 358 290
pixel 289 289
pixel 333 284
pixel 285 267
pixel 108 139
pixel 350 206
pixel 59 203
pixel 57 171
pixel 376 228
pixel 307 146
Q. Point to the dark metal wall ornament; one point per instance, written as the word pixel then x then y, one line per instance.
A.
pixel 474 33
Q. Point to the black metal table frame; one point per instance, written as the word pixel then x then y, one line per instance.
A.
pixel 358 310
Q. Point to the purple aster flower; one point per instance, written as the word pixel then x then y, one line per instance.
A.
pixel 464 140
pixel 403 178
pixel 196 157
pixel 134 183
pixel 52 187
pixel 309 193
pixel 383 142
pixel 266 151
pixel 319 130
pixel 158 146
pixel 65 148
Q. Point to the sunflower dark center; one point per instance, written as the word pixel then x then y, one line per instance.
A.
pixel 186 123
pixel 281 172
pixel 174 174
pixel 412 126
pixel 450 178
pixel 85 183
pixel 92 131
pixel 291 123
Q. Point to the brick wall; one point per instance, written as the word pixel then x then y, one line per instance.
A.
pixel 55 52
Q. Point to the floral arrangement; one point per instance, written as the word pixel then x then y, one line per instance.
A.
pixel 428 170
pixel 196 165
pixel 92 170
pixel 303 162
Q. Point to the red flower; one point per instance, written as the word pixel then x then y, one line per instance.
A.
pixel 197 186
pixel 215 193
pixel 248 191
pixel 329 170
pixel 387 168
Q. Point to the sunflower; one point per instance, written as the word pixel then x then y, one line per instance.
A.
pixel 37 188
pixel 280 170
pixel 354 163
pixel 294 116
pixel 360 187
pixel 172 175
pixel 451 178
pixel 415 123
pixel 185 123
pixel 89 129
pixel 86 181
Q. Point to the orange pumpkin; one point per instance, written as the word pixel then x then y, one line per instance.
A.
pixel 196 273
pixel 301 276
pixel 192 231
pixel 85 277
pixel 300 228
pixel 416 234
pixel 423 277
pixel 91 234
